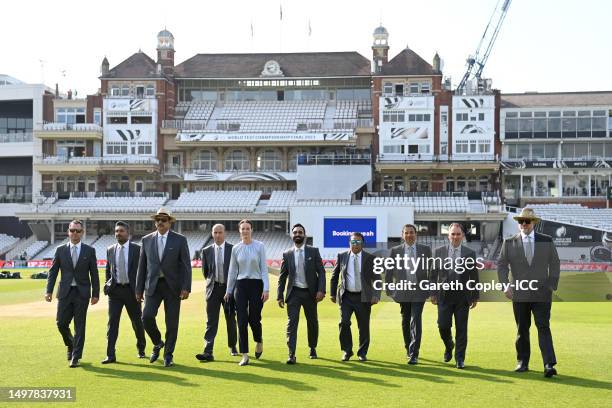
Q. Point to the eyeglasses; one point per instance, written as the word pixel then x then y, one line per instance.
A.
pixel 526 222
pixel 161 220
pixel 75 230
pixel 355 241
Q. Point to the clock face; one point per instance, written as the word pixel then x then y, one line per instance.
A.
pixel 272 68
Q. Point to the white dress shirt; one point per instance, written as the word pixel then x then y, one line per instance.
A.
pixel 353 283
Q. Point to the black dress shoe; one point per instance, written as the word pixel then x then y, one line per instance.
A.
pixel 313 353
pixel 205 356
pixel 109 360
pixel 413 360
pixel 362 358
pixel 521 367
pixel 549 371
pixel 74 362
pixel 291 359
pixel 347 355
pixel 448 353
pixel 460 364
pixel 259 353
pixel 69 354
pixel 168 361
pixel 234 351
pixel 141 354
pixel 155 353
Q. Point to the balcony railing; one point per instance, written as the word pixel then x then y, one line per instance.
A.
pixel 331 159
pixel 15 137
pixel 402 158
pixel 63 160
pixel 76 127
pixel 564 158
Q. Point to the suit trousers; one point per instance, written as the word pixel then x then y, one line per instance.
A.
pixel 541 316
pixel 248 311
pixel 461 312
pixel 118 297
pixel 213 304
pixel 73 306
pixel 351 303
pixel 172 308
pixel 412 327
pixel 299 298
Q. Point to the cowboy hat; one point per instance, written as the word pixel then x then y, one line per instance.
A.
pixel 527 214
pixel 162 212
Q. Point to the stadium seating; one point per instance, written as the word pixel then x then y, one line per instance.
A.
pixel 599 218
pixel 200 111
pixel 216 202
pixel 349 109
pixel 6 242
pixel 112 204
pixel 422 203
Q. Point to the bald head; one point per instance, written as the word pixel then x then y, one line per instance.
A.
pixel 218 233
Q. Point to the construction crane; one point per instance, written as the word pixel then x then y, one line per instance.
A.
pixel 476 62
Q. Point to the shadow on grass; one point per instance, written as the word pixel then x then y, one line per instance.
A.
pixel 147 375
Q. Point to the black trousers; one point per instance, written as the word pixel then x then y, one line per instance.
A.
pixel 73 306
pixel 301 298
pixel 213 304
pixel 351 303
pixel 541 316
pixel 119 297
pixel 412 327
pixel 172 308
pixel 461 312
pixel 248 311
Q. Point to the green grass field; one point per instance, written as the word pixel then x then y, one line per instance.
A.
pixel 33 355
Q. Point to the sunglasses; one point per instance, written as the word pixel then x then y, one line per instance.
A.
pixel 161 220
pixel 355 241
pixel 75 230
pixel 526 222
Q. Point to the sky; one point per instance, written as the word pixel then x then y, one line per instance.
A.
pixel 543 45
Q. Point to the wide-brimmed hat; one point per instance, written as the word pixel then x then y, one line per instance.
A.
pixel 527 214
pixel 162 212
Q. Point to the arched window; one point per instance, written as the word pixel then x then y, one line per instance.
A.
pixel 236 160
pixel 204 160
pixel 269 160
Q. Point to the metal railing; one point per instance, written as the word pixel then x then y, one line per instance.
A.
pixel 62 160
pixel 15 137
pixel 332 159
pixel 75 127
pixel 458 158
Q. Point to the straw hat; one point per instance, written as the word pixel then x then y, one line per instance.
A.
pixel 527 214
pixel 162 212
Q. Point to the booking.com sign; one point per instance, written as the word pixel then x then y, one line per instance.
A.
pixel 337 231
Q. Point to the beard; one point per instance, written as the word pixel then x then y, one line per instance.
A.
pixel 298 240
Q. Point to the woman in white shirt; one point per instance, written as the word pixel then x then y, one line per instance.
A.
pixel 248 283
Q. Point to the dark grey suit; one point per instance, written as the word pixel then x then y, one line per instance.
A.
pixel 544 269
pixel 74 300
pixel 301 297
pixel 454 302
pixel 176 267
pixel 411 301
pixel 123 295
pixel 350 302
pixel 215 292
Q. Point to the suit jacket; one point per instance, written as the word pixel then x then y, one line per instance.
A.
pixel 544 267
pixel 111 267
pixel 209 265
pixel 85 273
pixel 338 279
pixel 443 274
pixel 313 269
pixel 397 275
pixel 175 264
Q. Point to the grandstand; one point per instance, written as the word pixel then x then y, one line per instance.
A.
pixel 7 242
pixel 576 214
pixel 433 203
pixel 121 204
pixel 216 202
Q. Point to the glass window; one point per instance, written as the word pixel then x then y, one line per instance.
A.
pixel 150 90
pixel 204 160
pixel 236 160
pixel 269 160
